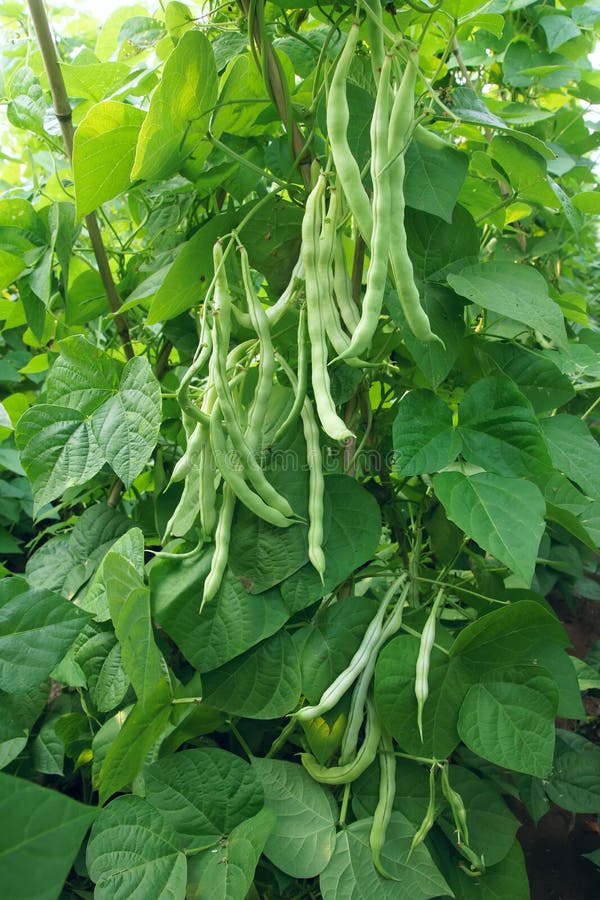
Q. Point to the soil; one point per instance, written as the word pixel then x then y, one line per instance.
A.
pixel 553 849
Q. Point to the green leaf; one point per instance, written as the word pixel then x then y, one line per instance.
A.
pixel 526 169
pixel 187 280
pixel 575 780
pixel 499 430
pixel 103 152
pixel 446 315
pixel 538 378
pixel 95 80
pixel 434 244
pixel 48 749
pixel 509 719
pixel 104 412
pixel 351 874
pixel 243 99
pixel 505 516
pixel 37 628
pixel 228 874
pixel 133 852
pixel 508 636
pixel 263 683
pixel 515 291
pixel 58 450
pixel 11 266
pixel 100 660
pixel 203 794
pixel 180 110
pixel 127 752
pixel 492 826
pixel 46 829
pixel 397 705
pixel 303 839
pixel 346 548
pixel 232 623
pixel 331 642
pixel 558 30
pixel 423 436
pixel 19 711
pixel 434 179
pixel 588 202
pixel 574 451
pixel 131 546
pixel 129 604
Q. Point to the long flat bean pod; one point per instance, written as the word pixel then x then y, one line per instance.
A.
pixel 266 369
pixel 342 286
pixel 235 479
pixel 400 129
pixel 333 425
pixel 380 242
pixel 285 301
pixel 220 555
pixel 361 762
pixel 300 383
pixel 338 116
pixel 423 660
pixel 316 485
pixel 385 801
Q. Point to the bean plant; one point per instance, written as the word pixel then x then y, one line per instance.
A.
pixel 299 372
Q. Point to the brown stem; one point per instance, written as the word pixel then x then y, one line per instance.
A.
pixel 62 111
pixel 277 90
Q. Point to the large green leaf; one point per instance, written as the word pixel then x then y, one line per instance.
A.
pixel 232 623
pixel 515 291
pixel 505 516
pixel 574 451
pixel 575 780
pixel 351 874
pixel 98 411
pixel 434 244
pixel 434 179
pixel 397 705
pixel 228 874
pixel 180 110
pixel 204 794
pixel 537 376
pixel 37 628
pixel 43 832
pixel 94 81
pixel 133 852
pixel 103 152
pixel 242 99
pixel 303 838
pixel 100 661
pixel 499 430
pixel 526 169
pixel 131 546
pixel 263 683
pixel 424 439
pixel 509 719
pixel 129 604
pixel 127 752
pixel 510 635
pixel 346 548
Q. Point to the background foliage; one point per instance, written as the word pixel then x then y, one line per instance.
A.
pixel 477 468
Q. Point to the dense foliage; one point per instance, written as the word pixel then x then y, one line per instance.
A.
pixel 158 635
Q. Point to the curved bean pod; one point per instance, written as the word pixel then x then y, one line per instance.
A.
pixel 353 770
pixel 220 556
pixel 385 802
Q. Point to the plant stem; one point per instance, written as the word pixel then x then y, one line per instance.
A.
pixel 62 111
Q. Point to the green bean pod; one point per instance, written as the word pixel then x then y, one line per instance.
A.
pixel 429 818
pixel 400 128
pixel 282 304
pixel 423 661
pixel 457 808
pixel 342 287
pixel 351 771
pixel 380 242
pixel 299 384
pixel 385 802
pixel 266 369
pixel 220 555
pixel 338 116
pixel 375 32
pixel 333 425
pixel 235 479
pixel 252 470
